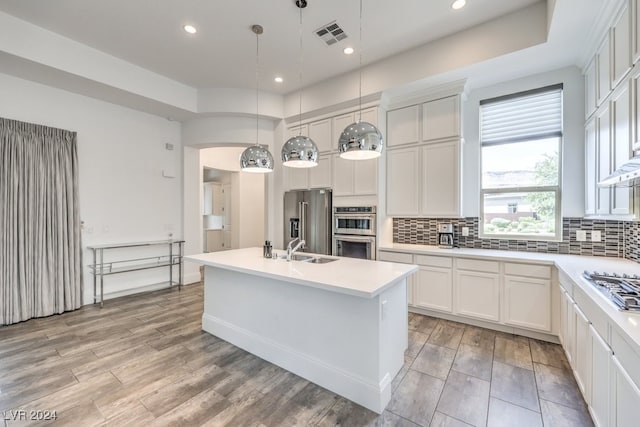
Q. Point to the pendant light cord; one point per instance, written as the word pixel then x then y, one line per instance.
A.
pixel 300 79
pixel 360 67
pixel 257 82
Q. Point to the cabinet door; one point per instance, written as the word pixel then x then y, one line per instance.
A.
pixel 343 176
pixel 215 240
pixel 226 239
pixel 626 397
pixel 296 178
pixel 321 175
pixel 411 289
pixel 434 289
pixel 403 126
pixel 621 41
pixel 603 202
pixel 478 295
pixel 320 133
pixel 403 180
pixel 590 88
pixel 297 130
pixel 226 189
pixel 582 362
pixel 527 302
pixel 441 179
pixel 365 175
pixel 621 144
pixel 218 199
pixel 600 379
pixel 590 167
pixel 603 64
pixel 441 119
pixel 339 123
pixel 570 332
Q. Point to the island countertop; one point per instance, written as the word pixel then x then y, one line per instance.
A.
pixel 351 276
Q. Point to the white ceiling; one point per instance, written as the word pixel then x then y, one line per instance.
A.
pixel 149 33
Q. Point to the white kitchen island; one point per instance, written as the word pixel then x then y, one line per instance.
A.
pixel 341 325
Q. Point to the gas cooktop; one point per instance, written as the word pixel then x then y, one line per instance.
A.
pixel 622 290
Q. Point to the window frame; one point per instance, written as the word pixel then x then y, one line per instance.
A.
pixel 557 189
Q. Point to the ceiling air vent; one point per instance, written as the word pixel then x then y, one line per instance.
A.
pixel 331 33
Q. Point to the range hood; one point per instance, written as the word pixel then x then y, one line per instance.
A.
pixel 628 171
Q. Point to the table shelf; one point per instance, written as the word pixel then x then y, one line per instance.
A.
pixel 101 268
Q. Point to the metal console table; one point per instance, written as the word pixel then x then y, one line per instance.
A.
pixel 100 268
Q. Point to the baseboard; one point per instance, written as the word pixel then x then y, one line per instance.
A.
pixel 487 325
pixel 352 387
pixel 191 278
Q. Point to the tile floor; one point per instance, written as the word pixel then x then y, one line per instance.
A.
pixel 143 360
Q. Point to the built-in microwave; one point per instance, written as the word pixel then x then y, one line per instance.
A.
pixel 357 220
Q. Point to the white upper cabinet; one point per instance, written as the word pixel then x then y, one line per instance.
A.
pixel 355 177
pixel 369 115
pixel 621 144
pixel 403 179
pixel 297 130
pixel 441 119
pixel 296 178
pixel 590 88
pixel 441 179
pixel 621 41
pixel 403 126
pixel 603 64
pixel 321 175
pixel 320 133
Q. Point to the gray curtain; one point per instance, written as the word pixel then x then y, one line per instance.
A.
pixel 40 246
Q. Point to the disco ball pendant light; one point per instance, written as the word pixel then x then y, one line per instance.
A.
pixel 256 158
pixel 360 140
pixel 300 151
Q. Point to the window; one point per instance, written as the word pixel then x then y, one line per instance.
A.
pixel 521 139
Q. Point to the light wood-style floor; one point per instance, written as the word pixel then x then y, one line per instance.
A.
pixel 143 360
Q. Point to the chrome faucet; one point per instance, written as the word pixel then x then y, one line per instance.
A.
pixel 291 250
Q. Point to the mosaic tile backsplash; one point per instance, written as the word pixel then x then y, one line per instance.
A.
pixel 619 238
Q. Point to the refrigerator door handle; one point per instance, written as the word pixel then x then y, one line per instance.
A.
pixel 303 221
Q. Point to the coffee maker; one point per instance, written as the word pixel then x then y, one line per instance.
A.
pixel 445 236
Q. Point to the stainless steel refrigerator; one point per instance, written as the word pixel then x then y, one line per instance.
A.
pixel 307 215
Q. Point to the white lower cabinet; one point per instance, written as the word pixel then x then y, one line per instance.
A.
pixel 478 295
pixel 527 302
pixel 600 379
pixel 625 396
pixel 434 288
pixel 582 357
pixel 567 325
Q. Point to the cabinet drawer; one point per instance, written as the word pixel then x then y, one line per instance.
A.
pixel 396 257
pixel 527 270
pixel 628 358
pixel 592 312
pixel 565 282
pixel 478 265
pixel 434 261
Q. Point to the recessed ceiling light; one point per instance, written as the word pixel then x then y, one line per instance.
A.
pixel 278 79
pixel 190 29
pixel 348 50
pixel 458 4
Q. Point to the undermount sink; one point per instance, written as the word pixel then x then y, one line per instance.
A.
pixel 311 259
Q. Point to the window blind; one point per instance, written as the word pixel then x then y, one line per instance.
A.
pixel 531 115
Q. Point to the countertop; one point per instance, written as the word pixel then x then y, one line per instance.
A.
pixel 628 323
pixel 357 277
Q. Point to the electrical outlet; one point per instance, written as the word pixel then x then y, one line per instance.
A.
pixel 465 231
pixel 581 235
pixel 596 236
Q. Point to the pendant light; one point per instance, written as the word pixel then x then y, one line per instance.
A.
pixel 360 140
pixel 300 151
pixel 256 158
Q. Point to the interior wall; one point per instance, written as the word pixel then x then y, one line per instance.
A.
pixel 573 141
pixel 121 152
